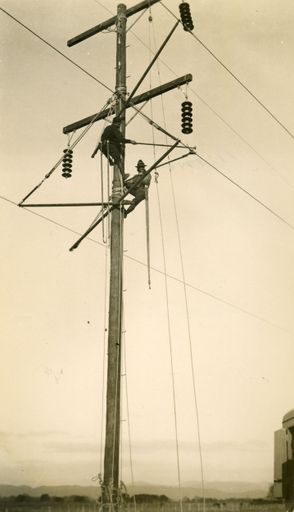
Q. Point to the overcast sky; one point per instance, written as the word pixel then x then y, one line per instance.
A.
pixel 237 253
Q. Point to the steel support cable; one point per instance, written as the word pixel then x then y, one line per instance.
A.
pixel 190 343
pixel 234 76
pixel 136 113
pixel 186 304
pixel 170 348
pixel 161 145
pixel 174 160
pixel 245 191
pixel 73 145
pixel 136 21
pixel 135 260
pixel 56 50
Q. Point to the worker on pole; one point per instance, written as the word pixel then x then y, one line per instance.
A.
pixel 111 145
pixel 138 191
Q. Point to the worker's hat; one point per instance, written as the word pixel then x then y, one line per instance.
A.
pixel 140 164
pixel 116 120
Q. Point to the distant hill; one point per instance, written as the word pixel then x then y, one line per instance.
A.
pixel 58 490
pixel 218 490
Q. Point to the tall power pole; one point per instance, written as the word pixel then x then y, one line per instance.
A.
pixel 110 484
pixel 110 481
pixel 112 437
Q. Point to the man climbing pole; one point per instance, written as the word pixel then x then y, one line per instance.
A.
pixel 139 191
pixel 111 144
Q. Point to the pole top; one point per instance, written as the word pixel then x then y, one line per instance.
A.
pixel 111 21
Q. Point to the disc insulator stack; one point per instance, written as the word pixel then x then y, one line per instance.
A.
pixel 186 17
pixel 67 163
pixel 187 121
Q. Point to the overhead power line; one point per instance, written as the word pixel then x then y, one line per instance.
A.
pixel 246 191
pixel 109 89
pixel 56 50
pixel 176 279
pixel 104 85
pixel 235 77
pixel 199 156
pixel 167 66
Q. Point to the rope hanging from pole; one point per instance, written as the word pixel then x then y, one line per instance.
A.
pixel 102 195
pixel 187 128
pixel 147 235
pixel 76 244
pixel 108 190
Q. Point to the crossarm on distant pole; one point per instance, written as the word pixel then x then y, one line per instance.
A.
pixel 108 23
pixel 104 214
pixel 145 96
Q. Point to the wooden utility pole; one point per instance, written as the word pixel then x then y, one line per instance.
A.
pixel 111 483
pixel 112 437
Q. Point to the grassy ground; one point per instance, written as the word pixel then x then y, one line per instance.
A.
pixel 210 506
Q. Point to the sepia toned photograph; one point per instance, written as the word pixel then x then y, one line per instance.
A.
pixel 147 214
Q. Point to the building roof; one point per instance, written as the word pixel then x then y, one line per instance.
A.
pixel 288 419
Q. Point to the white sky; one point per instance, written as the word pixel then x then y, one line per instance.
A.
pixel 237 255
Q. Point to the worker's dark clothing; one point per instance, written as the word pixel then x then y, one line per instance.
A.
pixel 111 141
pixel 138 191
